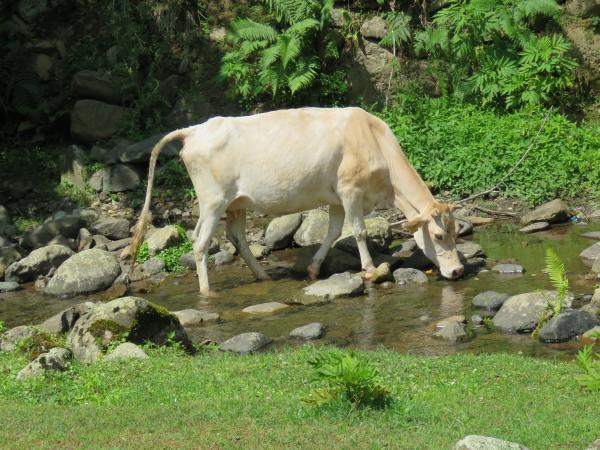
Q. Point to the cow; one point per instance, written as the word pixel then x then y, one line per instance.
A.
pixel 286 161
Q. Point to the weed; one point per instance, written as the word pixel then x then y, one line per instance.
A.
pixel 590 364
pixel 34 346
pixel 3 327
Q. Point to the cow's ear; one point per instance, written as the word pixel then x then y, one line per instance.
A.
pixel 414 224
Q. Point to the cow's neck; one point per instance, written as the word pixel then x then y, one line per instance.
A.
pixel 412 195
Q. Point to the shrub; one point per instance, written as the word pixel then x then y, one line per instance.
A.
pixel 465 149
pixel 590 364
pixel 169 255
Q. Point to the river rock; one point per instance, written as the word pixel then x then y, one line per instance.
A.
pixel 460 319
pixel 258 251
pixel 596 298
pixel 8 255
pixel 120 178
pixel 147 269
pixel 84 239
pixel 57 359
pixel 567 325
pixel 313 228
pixel 308 332
pixel 337 285
pixel 474 442
pixel 92 120
pixel 89 271
pixel 336 261
pixel 245 343
pixel 111 228
pixel 7 228
pixel 464 226
pixel 64 321
pixel 10 339
pixel 265 308
pixel 470 249
pixel 87 215
pixel 592 252
pixel 9 286
pixel 534 227
pixel 222 257
pixel 133 318
pixel 592 235
pixel 113 246
pixel 508 268
pixel 409 275
pixel 94 85
pixel 96 181
pixel 375 27
pixel 193 317
pixel 452 332
pixel 61 240
pixel 126 350
pixel 280 231
pixel 490 300
pixel 162 238
pixel 521 313
pixel 38 262
pixel 595 445
pixel 555 211
pixel 67 226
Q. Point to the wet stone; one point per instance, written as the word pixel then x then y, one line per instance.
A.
pixel 409 275
pixel 592 235
pixel 337 285
pixel 9 286
pixel 470 249
pixel 308 332
pixel 192 317
pixel 490 300
pixel 591 252
pixel 567 325
pixel 449 321
pixel 508 268
pixel 265 308
pixel 452 332
pixel 222 257
pixel 245 343
pixel 536 226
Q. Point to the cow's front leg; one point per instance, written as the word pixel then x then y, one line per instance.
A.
pixel 236 233
pixel 354 211
pixel 336 222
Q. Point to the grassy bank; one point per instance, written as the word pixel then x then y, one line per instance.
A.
pixel 222 401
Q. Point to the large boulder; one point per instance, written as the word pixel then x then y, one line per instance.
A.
pixel 132 319
pixel 56 359
pixel 280 231
pixel 374 28
pixel 140 151
pixel 555 211
pixel 336 261
pixel 379 236
pixel 67 226
pixel 8 255
pixel 89 271
pixel 64 321
pixel 11 338
pixel 162 238
pixel 521 313
pixel 119 178
pixel 370 68
pixel 567 325
pixel 96 86
pixel 591 253
pixel 92 120
pixel 337 285
pixel 38 262
pixel 111 227
pixel 313 228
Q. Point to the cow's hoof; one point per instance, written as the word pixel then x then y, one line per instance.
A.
pixel 368 273
pixel 210 294
pixel 313 271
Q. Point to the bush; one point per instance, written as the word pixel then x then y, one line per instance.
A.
pixel 464 149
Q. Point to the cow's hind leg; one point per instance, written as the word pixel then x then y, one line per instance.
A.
pixel 209 219
pixel 353 205
pixel 336 222
pixel 236 233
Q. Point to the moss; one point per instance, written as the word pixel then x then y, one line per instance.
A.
pixel 158 325
pixel 99 328
pixel 34 346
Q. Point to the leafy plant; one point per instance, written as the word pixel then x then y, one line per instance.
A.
pixel 349 378
pixel 3 327
pixel 169 255
pixel 558 278
pixel 590 364
pixel 487 49
pixel 34 346
pixel 283 58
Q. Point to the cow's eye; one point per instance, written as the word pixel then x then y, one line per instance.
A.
pixel 438 236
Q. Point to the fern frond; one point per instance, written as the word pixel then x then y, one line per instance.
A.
pixel 303 76
pixel 302 27
pixel 249 30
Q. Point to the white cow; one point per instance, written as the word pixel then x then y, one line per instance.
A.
pixel 294 160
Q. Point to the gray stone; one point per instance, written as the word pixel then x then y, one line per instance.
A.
pixel 592 235
pixel 10 339
pixel 280 232
pixel 308 332
pixel 140 151
pixel 84 239
pixel 592 252
pixel 375 27
pixel 6 226
pixel 476 319
pixel 147 269
pixel 96 181
pixel 193 317
pixel 134 318
pixel 9 286
pixel 490 300
pixel 61 240
pixel 162 238
pixel 71 164
pixel 596 298
pixel 555 211
pixel 93 85
pixel 595 445
pixel 369 70
pixel 258 251
pixel 89 271
pixel 409 275
pixel 474 442
pixel 470 249
pixel 67 226
pixel 593 333
pixel 87 215
pixel 64 321
pixel 336 261
pixel 313 228
pixel 265 308
pixel 8 255
pixel 120 178
pixel 521 313
pixel 508 268
pixel 92 120
pixel 567 325
pixel 337 285
pixel 38 262
pixel 452 332
pixel 221 258
pixel 125 351
pixel 464 226
pixel 57 359
pixel 379 236
pixel 113 246
pixel 111 227
pixel 190 109
pixel 338 17
pixel 245 343
pixel 534 227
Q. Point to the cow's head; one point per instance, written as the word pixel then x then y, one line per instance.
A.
pixel 435 233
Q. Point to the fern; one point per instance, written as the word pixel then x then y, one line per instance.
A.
pixel 558 279
pixel 398 25
pixel 590 364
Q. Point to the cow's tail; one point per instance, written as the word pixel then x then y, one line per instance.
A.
pixel 140 227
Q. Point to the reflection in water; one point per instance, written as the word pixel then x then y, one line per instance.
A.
pixel 400 317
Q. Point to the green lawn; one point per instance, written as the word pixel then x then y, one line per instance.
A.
pixel 215 400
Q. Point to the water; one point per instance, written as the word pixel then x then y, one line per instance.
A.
pixel 402 318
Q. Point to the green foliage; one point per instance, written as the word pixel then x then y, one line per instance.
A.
pixel 487 50
pixel 169 255
pixel 24 224
pixel 347 377
pixel 488 323
pixel 398 30
pixel 3 327
pixel 80 197
pixel 108 334
pixel 283 58
pixel 557 274
pixel 143 254
pixel 34 346
pixel 464 149
pixel 590 364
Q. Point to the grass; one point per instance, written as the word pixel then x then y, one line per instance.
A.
pixel 215 400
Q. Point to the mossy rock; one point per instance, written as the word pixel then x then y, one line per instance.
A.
pixel 33 346
pixel 128 318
